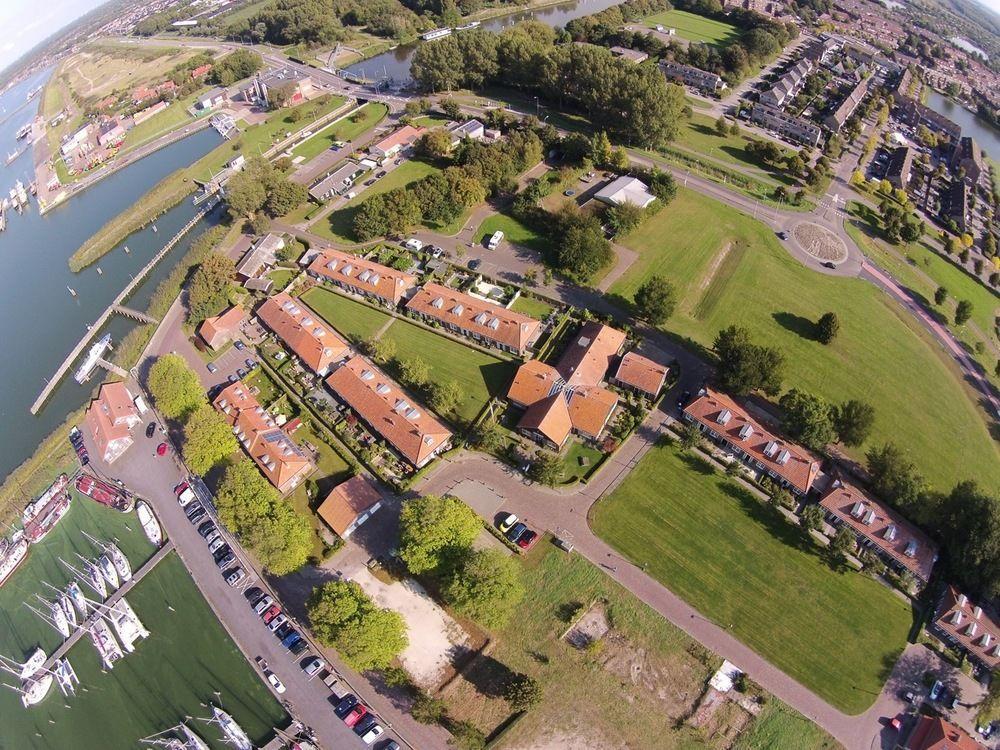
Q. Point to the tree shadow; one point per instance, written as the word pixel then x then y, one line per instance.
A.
pixel 797 324
pixel 697 463
pixel 768 518
pixel 488 676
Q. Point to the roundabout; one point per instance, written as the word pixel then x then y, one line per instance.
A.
pixel 820 242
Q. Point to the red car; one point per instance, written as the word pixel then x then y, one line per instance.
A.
pixel 161 449
pixel 355 715
pixel 527 539
pixel 273 611
pixel 180 488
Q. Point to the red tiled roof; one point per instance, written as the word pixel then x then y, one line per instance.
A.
pixel 221 327
pixel 201 70
pixel 402 137
pixel 347 501
pixel 884 528
pixel 303 331
pixel 589 355
pixel 590 408
pixel 550 417
pixel 533 382
pixel 110 418
pixel 485 319
pixel 725 417
pixel 975 630
pixel 404 422
pixel 374 278
pixel 641 373
pixel 934 733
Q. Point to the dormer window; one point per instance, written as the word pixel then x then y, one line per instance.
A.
pixel 438 303
pixel 724 417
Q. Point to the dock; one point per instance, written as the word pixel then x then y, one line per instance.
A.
pixel 82 629
pixel 116 307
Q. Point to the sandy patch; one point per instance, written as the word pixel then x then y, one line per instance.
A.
pixel 673 683
pixel 564 739
pixel 591 627
pixel 714 268
pixel 820 242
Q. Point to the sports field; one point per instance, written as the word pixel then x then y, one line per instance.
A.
pixel 695 28
pixel 747 569
pixel 730 269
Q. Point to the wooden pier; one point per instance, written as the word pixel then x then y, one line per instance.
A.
pixel 115 306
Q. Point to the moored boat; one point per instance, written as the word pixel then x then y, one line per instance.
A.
pixel 150 526
pixel 108 571
pixel 233 731
pixel 59 619
pixel 191 740
pixel 105 643
pixel 68 610
pixel 103 492
pixel 120 562
pixel 127 625
pixel 33 664
pixel 96 580
pixel 12 553
pixel 75 594
pixel 40 516
pixel 34 689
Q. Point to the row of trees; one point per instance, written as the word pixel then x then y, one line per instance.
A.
pixel 633 103
pixel 261 191
pixel 444 396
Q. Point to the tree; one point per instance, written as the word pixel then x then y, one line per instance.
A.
pixel 208 293
pixel 546 468
pixel 284 196
pixel 382 349
pixel 600 149
pixel 522 692
pixel 722 126
pixel 490 436
pixel 466 736
pixel 434 532
pixel 812 518
pixel 208 439
pixel 940 295
pixel 245 194
pixel 451 108
pixel 175 388
pixel 745 366
pixel 894 476
pixel 827 327
pixel 582 249
pixel 243 496
pixel 843 543
pixel 656 300
pixel 415 372
pixel 625 217
pixel 853 421
pixel 435 144
pixel 968 522
pixel 446 396
pixel 963 311
pixel 486 587
pixel 690 436
pixel 663 186
pixel 807 418
pixel 426 709
pixel 345 618
pixel 281 539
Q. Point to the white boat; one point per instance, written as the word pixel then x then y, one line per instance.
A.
pixel 430 36
pixel 65 676
pixel 119 560
pixel 154 229
pixel 127 250
pixel 12 553
pixel 95 579
pixel 68 610
pixel 22 194
pixel 108 571
pixel 75 594
pixel 105 643
pixel 191 740
pixel 150 526
pixel 90 361
pixel 34 690
pixel 127 625
pixel 466 27
pixel 33 664
pixel 233 731
pixel 59 619
pixel 99 271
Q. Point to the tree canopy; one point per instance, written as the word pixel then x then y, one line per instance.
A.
pixel 208 293
pixel 344 617
pixel 486 587
pixel 807 419
pixel 745 366
pixel 175 388
pixel 208 439
pixel 656 300
pixel 434 532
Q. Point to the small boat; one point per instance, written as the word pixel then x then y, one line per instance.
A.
pixel 11 156
pixel 33 664
pixel 99 271
pixel 59 620
pixel 108 571
pixel 13 552
pixel 75 593
pixel 34 690
pixel 127 251
pixel 191 740
pixel 22 195
pixel 466 27
pixel 233 731
pixel 95 580
pixel 67 607
pixel 33 188
pixel 105 643
pixel 71 290
pixel 150 526
pixel 154 229
pixel 120 562
pixel 126 623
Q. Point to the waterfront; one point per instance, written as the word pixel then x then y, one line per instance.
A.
pixel 395 63
pixel 43 321
pixel 985 134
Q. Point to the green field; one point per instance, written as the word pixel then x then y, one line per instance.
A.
pixel 514 231
pixel 188 652
pixel 352 319
pixel 730 269
pixel 343 130
pixel 166 121
pixel 573 470
pixel 695 28
pixel 742 565
pixel 536 308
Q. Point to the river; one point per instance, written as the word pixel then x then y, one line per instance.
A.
pixel 41 320
pixel 395 64
pixel 985 134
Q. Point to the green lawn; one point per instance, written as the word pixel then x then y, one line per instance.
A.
pixel 880 355
pixel 536 308
pixel 573 470
pixel 352 319
pixel 260 137
pixel 514 231
pixel 431 121
pixel 342 130
pixel 695 28
pixel 168 120
pixel 747 569
pixel 331 470
pixel 698 133
pixel 281 277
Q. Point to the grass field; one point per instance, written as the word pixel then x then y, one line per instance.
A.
pixel 52 98
pixel 741 564
pixel 343 130
pixel 533 307
pixel 695 28
pixel 188 651
pixel 169 119
pixel 352 319
pixel 97 70
pixel 730 269
pixel 514 231
pixel 573 470
pixel 645 664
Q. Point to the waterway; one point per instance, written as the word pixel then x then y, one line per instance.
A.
pixel 395 64
pixel 985 134
pixel 42 321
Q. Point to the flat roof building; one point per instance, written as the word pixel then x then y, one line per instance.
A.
pixel 360 276
pixel 296 85
pixel 302 331
pixel 632 55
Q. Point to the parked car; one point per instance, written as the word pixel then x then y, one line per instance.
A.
pixel 161 449
pixel 241 373
pixel 284 630
pixel 937 689
pixel 829 264
pixel 226 560
pixel 527 539
pixel 291 638
pixel 151 429
pixel 216 544
pixel 276 623
pixel 254 594
pixel 211 368
pixel 515 531
pixel 232 378
pixel 372 734
pixel 355 714
pixel 380 175
pixel 313 666
pixel 506 522
pixel 299 646
pixel 413 244
pixel 206 528
pixel 474 264
pixel 683 400
pixel 190 509
pixel 212 536
pixel 237 575
pixel 390 745
pixel 240 346
pixel 365 723
pixel 263 604
pixel 270 613
pixel 344 706
pixel 272 678
pixel 249 363
pixel 197 515
pixel 782 235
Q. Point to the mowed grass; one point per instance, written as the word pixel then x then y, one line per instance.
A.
pixel 352 319
pixel 778 726
pixel 514 231
pixel 881 355
pixel 536 308
pixel 747 569
pixel 697 133
pixel 173 117
pixel 695 28
pixel 344 129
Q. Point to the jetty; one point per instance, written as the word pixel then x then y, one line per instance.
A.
pixel 117 307
pixel 83 628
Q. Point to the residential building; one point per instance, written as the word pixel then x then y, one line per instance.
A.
pixel 793 128
pixel 625 189
pixel 278 457
pixel 913 113
pixel 968 156
pixel 262 284
pixel 110 418
pixel 632 55
pixel 640 375
pixel 789 85
pixel 212 99
pixel 693 77
pixel 392 144
pixel 968 628
pixel 934 733
pixel 764 7
pixel 388 411
pixel 260 258
pixel 900 166
pixel 818 51
pixel 311 340
pixel 836 119
pixel 201 70
pixel 471 129
pixel 900 544
pixel 365 277
pixel 728 425
pixel 485 322
pixel 350 504
pixel 110 133
pixel 140 117
pixel 337 182
pixel 219 330
pixel 955 203
pixel 569 397
pixel 293 84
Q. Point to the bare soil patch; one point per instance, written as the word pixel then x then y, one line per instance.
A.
pixel 820 242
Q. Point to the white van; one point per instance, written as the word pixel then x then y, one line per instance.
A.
pixel 495 240
pixel 140 405
pixel 413 244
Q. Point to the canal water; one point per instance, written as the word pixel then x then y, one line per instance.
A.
pixel 395 64
pixel 985 134
pixel 41 320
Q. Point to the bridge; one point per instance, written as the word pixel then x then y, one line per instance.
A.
pixel 84 627
pixel 115 306
pixel 129 312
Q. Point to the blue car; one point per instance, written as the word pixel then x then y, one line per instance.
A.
pixel 515 531
pixel 343 708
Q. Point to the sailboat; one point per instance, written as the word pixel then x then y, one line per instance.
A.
pixel 68 610
pixel 108 571
pixel 33 664
pixel 34 689
pixel 71 290
pixel 59 620
pixel 234 733
pixel 120 562
pixel 191 740
pixel 95 580
pixel 75 594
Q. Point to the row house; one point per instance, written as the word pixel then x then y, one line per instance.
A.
pixel 364 277
pixel 836 119
pixel 793 128
pixel 968 628
pixel 692 76
pixel 302 331
pixel 788 86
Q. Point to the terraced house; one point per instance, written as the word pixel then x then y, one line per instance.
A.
pixel 729 426
pixel 968 628
pixel 304 332
pixel 487 323
pixel 365 277
pixel 277 456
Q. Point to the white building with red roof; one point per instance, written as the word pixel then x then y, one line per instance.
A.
pixel 968 627
pixel 111 417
